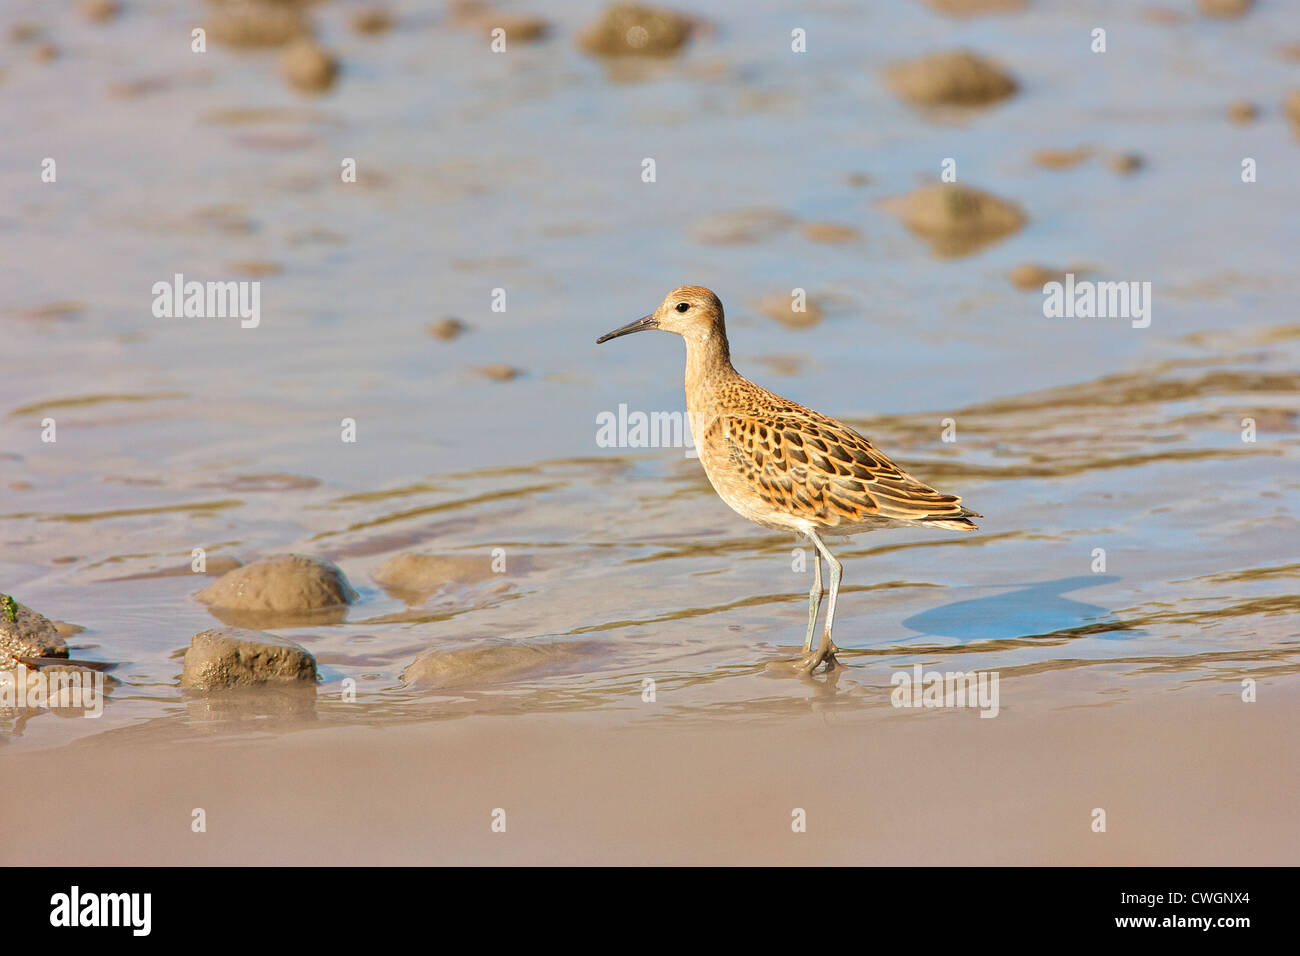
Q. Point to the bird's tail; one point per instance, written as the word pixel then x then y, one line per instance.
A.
pixel 958 522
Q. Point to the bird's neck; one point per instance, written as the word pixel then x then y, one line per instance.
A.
pixel 708 361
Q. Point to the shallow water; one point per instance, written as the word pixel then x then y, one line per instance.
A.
pixel 522 172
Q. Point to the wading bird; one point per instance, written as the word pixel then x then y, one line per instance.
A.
pixel 785 466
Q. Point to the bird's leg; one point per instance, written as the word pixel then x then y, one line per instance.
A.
pixel 814 600
pixel 825 653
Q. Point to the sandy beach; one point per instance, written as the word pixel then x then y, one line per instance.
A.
pixel 1194 778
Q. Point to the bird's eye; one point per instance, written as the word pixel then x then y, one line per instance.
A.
pixel 683 306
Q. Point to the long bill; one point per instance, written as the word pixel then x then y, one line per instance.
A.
pixel 640 325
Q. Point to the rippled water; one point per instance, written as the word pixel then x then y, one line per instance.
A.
pixel 523 172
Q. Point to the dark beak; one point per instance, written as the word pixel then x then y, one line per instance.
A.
pixel 640 325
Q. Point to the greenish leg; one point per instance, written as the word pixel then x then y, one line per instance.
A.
pixel 825 653
pixel 814 601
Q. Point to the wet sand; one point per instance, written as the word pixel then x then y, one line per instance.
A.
pixel 1197 777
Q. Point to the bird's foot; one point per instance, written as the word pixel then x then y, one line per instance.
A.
pixel 807 663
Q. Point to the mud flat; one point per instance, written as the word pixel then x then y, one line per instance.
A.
pixel 605 788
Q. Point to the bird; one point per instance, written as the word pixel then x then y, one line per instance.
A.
pixel 783 465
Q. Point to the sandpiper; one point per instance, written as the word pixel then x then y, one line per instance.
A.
pixel 785 466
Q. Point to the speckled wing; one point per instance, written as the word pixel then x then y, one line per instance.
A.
pixel 807 465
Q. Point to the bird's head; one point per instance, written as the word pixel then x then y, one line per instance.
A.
pixel 691 311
